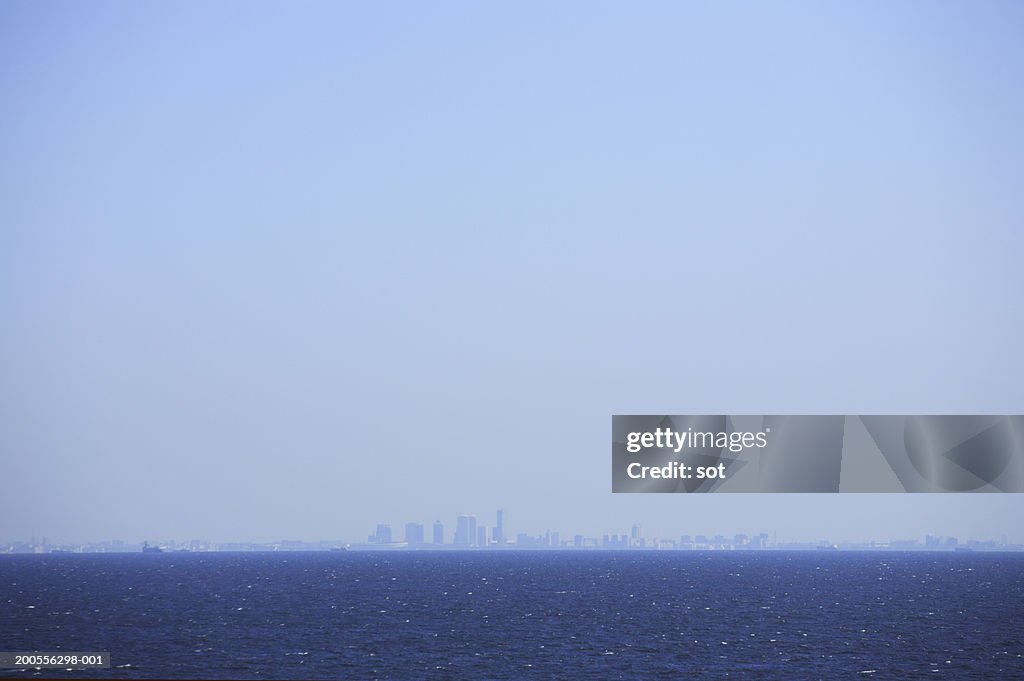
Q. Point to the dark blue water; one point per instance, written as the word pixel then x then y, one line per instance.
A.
pixel 509 615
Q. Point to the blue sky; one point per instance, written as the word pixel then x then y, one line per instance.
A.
pixel 270 270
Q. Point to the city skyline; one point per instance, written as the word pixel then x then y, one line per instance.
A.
pixel 469 532
pixel 549 541
pixel 796 517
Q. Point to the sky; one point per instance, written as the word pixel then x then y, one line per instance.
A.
pixel 289 270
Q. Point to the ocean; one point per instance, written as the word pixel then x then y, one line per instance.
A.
pixel 512 615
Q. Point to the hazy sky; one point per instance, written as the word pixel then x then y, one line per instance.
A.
pixel 293 269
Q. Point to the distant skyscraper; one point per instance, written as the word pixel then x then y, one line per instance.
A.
pixel 472 530
pixel 481 536
pixel 382 535
pixel 438 532
pixel 463 531
pixel 499 528
pixel 636 536
pixel 414 533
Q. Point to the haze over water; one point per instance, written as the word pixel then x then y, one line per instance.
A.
pixel 274 272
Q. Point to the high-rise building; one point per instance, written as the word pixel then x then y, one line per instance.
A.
pixel 382 535
pixel 499 528
pixel 481 536
pixel 464 532
pixel 438 532
pixel 414 533
pixel 472 530
pixel 636 538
